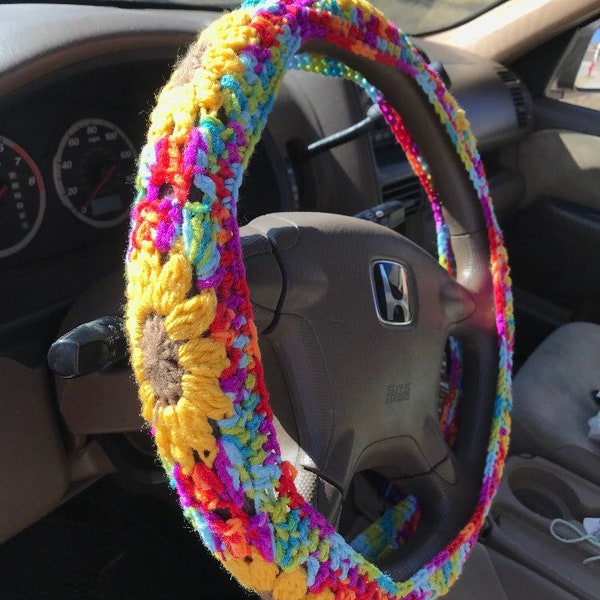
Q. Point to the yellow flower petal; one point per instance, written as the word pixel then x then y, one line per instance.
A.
pixel 257 573
pixel 290 585
pixel 207 395
pixel 140 273
pixel 172 285
pixel 147 400
pixel 136 359
pixel 181 430
pixel 192 317
pixel 203 355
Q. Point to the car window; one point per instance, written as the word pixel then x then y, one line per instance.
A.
pixel 425 16
pixel 413 16
pixel 577 77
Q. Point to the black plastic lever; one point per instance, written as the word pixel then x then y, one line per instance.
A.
pixel 371 120
pixel 88 348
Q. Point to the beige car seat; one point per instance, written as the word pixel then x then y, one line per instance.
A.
pixel 554 400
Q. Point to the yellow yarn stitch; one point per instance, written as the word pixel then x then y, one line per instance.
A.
pixel 290 585
pixel 324 595
pixel 256 574
pixel 177 109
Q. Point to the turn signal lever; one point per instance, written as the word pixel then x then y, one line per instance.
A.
pixel 88 348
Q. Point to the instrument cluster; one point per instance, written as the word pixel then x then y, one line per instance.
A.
pixel 93 171
pixel 68 152
pixel 22 197
pixel 93 168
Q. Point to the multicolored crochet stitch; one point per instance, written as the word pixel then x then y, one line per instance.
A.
pixel 189 319
pixel 390 531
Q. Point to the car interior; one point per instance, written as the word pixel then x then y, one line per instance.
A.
pixel 86 510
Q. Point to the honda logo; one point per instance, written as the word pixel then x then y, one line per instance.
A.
pixel 390 290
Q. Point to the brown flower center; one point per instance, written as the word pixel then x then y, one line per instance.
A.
pixel 160 361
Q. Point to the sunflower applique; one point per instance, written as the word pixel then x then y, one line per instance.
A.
pixel 175 361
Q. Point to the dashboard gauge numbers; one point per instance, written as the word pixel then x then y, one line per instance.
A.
pixel 93 172
pixel 22 198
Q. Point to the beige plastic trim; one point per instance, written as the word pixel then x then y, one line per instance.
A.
pixel 575 173
pixel 516 26
pixel 33 468
pixel 533 492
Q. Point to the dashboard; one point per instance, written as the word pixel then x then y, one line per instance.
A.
pixel 77 86
pixel 68 152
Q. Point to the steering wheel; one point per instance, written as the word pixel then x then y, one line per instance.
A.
pixel 354 318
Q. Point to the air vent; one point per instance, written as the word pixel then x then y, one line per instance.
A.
pixel 407 190
pixel 518 94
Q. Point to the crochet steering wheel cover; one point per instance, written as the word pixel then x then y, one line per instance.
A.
pixel 193 343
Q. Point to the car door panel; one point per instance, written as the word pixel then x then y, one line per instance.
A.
pixel 554 239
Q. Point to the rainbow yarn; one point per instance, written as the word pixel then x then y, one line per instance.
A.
pixel 390 531
pixel 193 342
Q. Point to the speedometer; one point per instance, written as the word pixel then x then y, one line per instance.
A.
pixel 93 171
pixel 22 198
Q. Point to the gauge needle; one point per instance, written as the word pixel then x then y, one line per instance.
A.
pixel 3 190
pixel 109 173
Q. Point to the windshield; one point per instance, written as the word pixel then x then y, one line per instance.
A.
pixel 412 16
pixel 424 16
